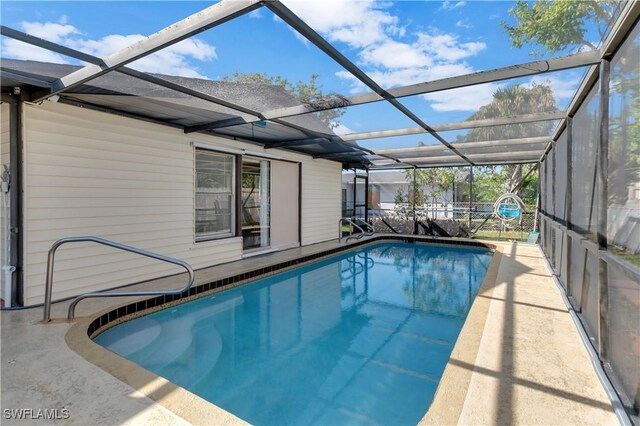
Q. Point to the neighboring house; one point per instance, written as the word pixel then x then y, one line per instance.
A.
pixel 111 158
pixel 623 225
pixel 383 188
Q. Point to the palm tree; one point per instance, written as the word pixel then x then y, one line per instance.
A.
pixel 514 100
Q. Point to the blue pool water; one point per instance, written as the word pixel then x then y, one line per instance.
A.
pixel 359 338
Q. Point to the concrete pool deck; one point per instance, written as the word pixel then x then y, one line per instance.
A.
pixel 529 365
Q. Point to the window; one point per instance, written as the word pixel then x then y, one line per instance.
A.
pixel 215 195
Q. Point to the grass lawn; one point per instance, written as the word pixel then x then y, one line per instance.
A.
pixel 633 259
pixel 505 235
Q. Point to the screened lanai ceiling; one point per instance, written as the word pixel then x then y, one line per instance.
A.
pixel 407 91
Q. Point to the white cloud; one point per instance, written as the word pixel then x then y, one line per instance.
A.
pixel 17 50
pixel 112 43
pixel 381 45
pixel 53 32
pixel 563 88
pixel 357 23
pixel 385 48
pixel 342 129
pixel 473 97
pixel 256 14
pixel 464 23
pixel 393 54
pixel 300 37
pixel 388 79
pixel 431 56
pixel 402 77
pixel 356 85
pixel 394 30
pixel 173 60
pixel 447 70
pixel 446 47
pixel 462 99
pixel 449 5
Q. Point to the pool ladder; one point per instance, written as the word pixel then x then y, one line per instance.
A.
pixel 353 224
pixel 102 241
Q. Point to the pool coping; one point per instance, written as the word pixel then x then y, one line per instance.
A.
pixel 448 400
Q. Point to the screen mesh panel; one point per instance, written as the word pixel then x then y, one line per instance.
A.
pixel 624 320
pixel 549 184
pixel 560 202
pixel 584 149
pixel 623 218
pixel 577 263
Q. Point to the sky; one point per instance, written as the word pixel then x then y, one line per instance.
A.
pixel 396 43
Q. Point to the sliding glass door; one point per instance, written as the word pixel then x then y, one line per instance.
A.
pixel 256 207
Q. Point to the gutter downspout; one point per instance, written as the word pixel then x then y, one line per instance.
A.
pixel 14 100
pixel 7 269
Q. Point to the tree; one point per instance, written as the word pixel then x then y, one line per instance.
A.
pixel 624 124
pixel 432 185
pixel 307 92
pixel 489 183
pixel 440 182
pixel 559 24
pixel 512 100
pixel 404 201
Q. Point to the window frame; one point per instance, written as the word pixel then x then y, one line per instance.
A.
pixel 212 236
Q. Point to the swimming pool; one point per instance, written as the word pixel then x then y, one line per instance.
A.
pixel 362 337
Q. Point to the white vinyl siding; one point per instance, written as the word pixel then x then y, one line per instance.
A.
pixel 321 200
pixel 92 173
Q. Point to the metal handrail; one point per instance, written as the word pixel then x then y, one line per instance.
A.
pixel 72 307
pixel 365 224
pixel 351 222
pixel 340 222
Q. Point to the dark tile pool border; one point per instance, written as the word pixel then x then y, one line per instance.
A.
pixel 143 307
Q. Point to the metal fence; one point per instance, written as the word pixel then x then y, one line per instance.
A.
pixel 455 219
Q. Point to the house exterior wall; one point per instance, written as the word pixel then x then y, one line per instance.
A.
pixel 388 192
pixel 93 173
pixel 4 198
